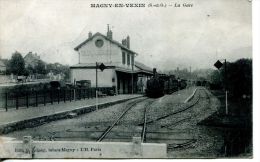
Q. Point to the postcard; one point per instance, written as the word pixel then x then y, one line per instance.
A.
pixel 128 79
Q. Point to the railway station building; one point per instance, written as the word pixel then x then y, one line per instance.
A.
pixel 122 71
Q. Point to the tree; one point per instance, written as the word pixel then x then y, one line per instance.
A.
pixel 215 77
pixel 239 77
pixel 30 69
pixel 40 67
pixel 16 64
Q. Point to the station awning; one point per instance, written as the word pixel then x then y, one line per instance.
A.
pixel 125 70
pixel 133 71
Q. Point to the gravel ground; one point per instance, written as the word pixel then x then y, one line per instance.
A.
pixel 130 123
pixel 85 126
pixel 206 142
pixel 181 128
pixel 80 128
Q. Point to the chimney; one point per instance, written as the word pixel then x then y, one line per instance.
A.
pixel 124 42
pixel 154 72
pixel 89 34
pixel 109 32
pixel 128 42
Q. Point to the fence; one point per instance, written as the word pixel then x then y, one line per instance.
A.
pixel 43 97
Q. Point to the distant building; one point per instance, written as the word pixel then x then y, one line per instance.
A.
pixel 56 77
pixel 31 59
pixel 2 66
pixel 3 78
pixel 122 72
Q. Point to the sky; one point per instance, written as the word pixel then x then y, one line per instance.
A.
pixel 165 38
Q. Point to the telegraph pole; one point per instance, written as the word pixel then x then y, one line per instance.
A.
pixel 101 67
pixel 226 87
pixel 190 77
pixel 96 86
pixel 132 75
pixel 218 65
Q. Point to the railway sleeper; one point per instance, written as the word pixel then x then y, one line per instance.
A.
pixel 182 145
pixel 176 123
pixel 170 114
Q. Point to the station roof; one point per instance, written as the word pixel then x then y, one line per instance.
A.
pixel 143 68
pixel 139 67
pixel 105 37
pixel 90 65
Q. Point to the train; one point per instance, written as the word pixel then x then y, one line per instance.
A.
pixel 161 84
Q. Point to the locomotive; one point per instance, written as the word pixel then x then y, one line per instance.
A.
pixel 161 84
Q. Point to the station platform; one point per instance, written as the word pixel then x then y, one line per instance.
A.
pixel 18 119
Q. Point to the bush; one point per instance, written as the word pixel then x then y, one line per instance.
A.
pixel 239 77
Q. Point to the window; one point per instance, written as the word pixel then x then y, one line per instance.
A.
pixel 99 43
pixel 132 59
pixel 123 57
pixel 128 59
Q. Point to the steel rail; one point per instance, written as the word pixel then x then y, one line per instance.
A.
pixel 175 112
pixel 144 130
pixel 181 145
pixel 143 136
pixel 129 106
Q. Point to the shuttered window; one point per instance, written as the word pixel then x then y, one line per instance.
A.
pixel 128 59
pixel 123 57
pixel 132 59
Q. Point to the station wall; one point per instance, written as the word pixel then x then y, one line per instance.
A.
pixel 108 53
pixel 107 78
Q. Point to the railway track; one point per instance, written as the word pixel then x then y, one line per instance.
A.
pixel 146 122
pixel 144 130
pixel 184 108
pixel 129 138
pixel 87 135
pixel 166 135
pixel 143 135
pixel 173 113
pixel 190 142
pixel 176 123
pixel 128 107
pixel 168 126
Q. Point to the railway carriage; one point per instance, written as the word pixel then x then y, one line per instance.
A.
pixel 161 84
